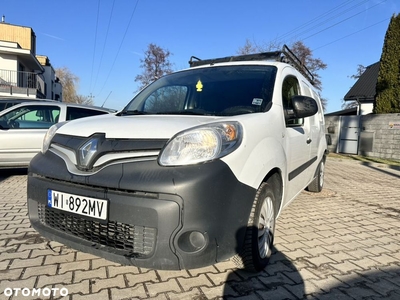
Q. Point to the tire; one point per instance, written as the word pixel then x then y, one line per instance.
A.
pixel 318 183
pixel 260 231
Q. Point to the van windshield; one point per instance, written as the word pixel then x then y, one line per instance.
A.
pixel 218 91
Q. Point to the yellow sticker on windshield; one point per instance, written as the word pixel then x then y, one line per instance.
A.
pixel 199 86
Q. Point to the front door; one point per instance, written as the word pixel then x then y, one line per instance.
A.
pixel 297 142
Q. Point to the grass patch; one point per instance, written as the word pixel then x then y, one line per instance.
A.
pixel 366 159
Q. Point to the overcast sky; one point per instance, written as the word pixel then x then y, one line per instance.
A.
pixel 102 41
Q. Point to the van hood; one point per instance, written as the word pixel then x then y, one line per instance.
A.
pixel 134 127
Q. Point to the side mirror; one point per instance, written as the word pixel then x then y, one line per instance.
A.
pixel 303 107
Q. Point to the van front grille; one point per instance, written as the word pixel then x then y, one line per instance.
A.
pixel 132 240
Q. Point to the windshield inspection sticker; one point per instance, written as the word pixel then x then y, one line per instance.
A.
pixel 257 101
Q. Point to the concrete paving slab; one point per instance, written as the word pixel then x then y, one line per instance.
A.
pixel 343 243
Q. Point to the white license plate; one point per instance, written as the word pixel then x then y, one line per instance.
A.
pixel 81 205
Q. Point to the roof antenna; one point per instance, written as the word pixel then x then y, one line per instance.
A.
pixel 106 99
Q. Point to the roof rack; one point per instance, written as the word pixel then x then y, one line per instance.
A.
pixel 284 55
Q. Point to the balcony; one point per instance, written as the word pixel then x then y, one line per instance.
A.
pixel 21 84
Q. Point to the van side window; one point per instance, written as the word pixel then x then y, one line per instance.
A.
pixel 317 97
pixel 290 88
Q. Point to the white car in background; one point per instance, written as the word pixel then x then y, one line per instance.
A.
pixel 23 126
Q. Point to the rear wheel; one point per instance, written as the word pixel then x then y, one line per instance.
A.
pixel 260 232
pixel 318 183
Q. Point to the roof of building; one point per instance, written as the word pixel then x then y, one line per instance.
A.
pixel 364 88
pixel 345 112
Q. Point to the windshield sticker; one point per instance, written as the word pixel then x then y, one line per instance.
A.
pixel 199 86
pixel 257 101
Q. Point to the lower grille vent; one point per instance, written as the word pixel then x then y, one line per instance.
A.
pixel 133 241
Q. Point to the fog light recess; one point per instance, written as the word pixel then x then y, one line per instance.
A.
pixel 192 241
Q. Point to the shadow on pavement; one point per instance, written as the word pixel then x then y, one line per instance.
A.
pixel 382 169
pixel 5 173
pixel 281 280
pixel 374 284
pixel 268 284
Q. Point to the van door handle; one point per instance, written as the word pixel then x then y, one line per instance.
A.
pixel 309 140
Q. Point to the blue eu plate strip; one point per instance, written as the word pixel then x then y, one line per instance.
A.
pixel 49 198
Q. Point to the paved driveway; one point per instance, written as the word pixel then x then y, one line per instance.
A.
pixel 341 244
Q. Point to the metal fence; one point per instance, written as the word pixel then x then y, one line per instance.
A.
pixel 22 80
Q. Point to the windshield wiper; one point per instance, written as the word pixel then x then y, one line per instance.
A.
pixel 131 113
pixel 198 112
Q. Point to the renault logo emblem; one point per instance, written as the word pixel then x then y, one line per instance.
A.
pixel 87 152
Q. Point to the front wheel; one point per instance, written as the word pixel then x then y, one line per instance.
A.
pixel 260 232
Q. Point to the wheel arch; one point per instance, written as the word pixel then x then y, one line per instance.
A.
pixel 274 178
pixel 323 158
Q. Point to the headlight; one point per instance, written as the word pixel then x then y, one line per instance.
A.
pixel 201 144
pixel 49 136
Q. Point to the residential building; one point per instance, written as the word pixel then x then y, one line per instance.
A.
pixel 364 90
pixel 23 73
pixel 358 130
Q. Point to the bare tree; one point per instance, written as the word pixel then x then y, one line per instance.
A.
pixel 155 65
pixel 253 47
pixel 84 100
pixel 313 64
pixel 359 72
pixel 303 52
pixel 70 83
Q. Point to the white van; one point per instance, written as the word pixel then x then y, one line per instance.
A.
pixel 193 171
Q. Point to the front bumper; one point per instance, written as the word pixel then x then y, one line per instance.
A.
pixel 159 217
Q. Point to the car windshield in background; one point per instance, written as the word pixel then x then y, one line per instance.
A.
pixel 219 91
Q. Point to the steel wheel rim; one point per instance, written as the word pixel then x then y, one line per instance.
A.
pixel 266 224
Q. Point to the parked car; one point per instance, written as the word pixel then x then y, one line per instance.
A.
pixel 23 126
pixel 193 171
